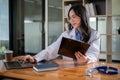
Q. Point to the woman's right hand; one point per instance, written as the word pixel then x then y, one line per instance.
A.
pixel 29 58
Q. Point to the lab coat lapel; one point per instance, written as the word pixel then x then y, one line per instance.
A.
pixel 72 34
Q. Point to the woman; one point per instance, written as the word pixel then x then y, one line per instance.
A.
pixel 79 29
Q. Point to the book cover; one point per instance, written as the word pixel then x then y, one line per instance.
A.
pixel 92 9
pixel 50 65
pixel 87 8
pixel 69 46
pixel 67 7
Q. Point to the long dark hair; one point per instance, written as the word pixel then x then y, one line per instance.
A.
pixel 82 13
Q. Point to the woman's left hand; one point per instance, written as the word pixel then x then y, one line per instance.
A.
pixel 81 59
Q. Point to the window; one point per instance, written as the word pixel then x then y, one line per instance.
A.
pixel 4 23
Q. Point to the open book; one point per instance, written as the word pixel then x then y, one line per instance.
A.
pixel 69 46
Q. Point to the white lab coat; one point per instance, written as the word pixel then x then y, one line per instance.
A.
pixel 51 51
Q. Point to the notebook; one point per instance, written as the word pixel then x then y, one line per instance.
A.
pixel 17 64
pixel 46 66
pixel 69 46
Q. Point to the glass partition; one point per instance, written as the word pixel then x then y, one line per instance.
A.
pixel 99 24
pixel 116 37
pixel 33 26
pixel 4 24
pixel 93 22
pixel 54 20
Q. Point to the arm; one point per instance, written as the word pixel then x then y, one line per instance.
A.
pixel 50 52
pixel 92 53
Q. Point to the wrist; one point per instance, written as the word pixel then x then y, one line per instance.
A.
pixel 86 61
pixel 34 60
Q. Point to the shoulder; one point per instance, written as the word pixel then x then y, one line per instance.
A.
pixel 94 32
pixel 67 32
pixel 94 35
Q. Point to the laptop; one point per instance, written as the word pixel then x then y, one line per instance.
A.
pixel 69 46
pixel 17 64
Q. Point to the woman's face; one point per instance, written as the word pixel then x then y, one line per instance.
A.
pixel 74 19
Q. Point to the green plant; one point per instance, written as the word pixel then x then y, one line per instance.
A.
pixel 2 49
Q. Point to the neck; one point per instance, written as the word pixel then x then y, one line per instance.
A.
pixel 79 30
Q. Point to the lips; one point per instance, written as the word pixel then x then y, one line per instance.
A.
pixel 74 24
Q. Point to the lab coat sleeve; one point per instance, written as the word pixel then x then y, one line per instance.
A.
pixel 94 49
pixel 50 52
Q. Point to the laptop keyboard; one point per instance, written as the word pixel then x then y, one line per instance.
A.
pixel 17 64
pixel 14 64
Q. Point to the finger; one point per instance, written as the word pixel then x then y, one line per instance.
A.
pixel 83 56
pixel 31 59
pixel 78 57
pixel 80 53
pixel 76 54
pixel 27 57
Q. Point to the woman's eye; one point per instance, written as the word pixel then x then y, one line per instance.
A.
pixel 74 16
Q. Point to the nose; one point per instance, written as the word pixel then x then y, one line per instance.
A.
pixel 71 20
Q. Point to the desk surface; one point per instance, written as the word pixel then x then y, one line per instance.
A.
pixel 67 71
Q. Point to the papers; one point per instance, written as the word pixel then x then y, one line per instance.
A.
pixel 91 9
pixel 67 7
pixel 49 65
